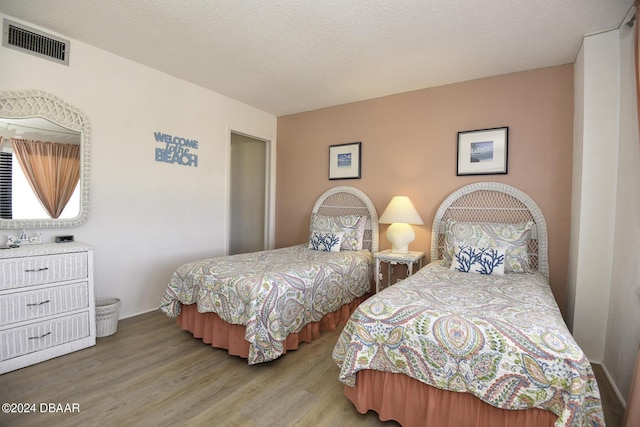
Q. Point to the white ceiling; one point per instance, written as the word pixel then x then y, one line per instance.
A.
pixel 37 129
pixel 289 56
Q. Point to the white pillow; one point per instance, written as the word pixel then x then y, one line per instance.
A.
pixel 351 225
pixel 472 259
pixel 327 242
pixel 513 238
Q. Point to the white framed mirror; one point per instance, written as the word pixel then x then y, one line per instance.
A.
pixel 38 115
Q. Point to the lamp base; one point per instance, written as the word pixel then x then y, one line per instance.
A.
pixel 400 234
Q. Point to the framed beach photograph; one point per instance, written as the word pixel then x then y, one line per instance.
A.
pixel 344 161
pixel 483 151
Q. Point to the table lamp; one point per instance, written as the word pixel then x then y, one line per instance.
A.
pixel 400 213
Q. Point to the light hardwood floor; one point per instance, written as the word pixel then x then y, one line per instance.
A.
pixel 151 373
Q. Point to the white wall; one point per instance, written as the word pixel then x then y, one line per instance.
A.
pixel 604 272
pixel 576 184
pixel 594 185
pixel 146 217
pixel 623 324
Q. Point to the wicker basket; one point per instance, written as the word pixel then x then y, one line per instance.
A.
pixel 107 312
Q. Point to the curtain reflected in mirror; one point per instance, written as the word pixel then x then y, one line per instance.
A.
pixel 35 115
pixel 39 170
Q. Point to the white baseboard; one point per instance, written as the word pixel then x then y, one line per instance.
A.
pixel 138 314
pixel 614 386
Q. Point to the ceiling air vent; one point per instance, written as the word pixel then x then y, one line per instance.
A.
pixel 20 37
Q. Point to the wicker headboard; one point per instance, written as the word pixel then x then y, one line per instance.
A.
pixel 344 200
pixel 496 203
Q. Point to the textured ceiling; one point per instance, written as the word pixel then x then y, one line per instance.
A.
pixel 288 56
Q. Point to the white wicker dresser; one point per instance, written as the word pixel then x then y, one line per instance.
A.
pixel 47 303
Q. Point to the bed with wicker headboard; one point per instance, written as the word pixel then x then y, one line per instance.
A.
pixel 495 203
pixel 446 347
pixel 259 305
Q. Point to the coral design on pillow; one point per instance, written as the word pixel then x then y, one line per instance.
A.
pixel 328 242
pixel 470 259
pixel 513 238
pixel 351 225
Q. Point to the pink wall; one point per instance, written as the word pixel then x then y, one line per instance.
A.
pixel 409 148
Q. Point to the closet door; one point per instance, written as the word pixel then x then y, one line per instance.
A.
pixel 248 194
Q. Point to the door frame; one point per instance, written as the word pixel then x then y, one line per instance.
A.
pixel 270 185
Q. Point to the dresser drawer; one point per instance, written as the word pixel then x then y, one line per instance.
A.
pixel 42 335
pixel 30 305
pixel 40 270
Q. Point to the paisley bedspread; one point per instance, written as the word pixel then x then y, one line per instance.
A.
pixel 499 337
pixel 273 293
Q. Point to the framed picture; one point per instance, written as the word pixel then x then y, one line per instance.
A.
pixel 344 161
pixel 483 152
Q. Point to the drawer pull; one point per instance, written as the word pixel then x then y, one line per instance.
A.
pixel 41 336
pixel 35 270
pixel 37 303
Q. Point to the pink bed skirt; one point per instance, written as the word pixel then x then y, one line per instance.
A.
pixel 413 403
pixel 220 334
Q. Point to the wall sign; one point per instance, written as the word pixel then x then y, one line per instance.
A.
pixel 176 149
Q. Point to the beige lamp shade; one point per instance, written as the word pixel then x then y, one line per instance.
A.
pixel 400 213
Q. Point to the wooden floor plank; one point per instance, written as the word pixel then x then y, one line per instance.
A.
pixel 152 373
